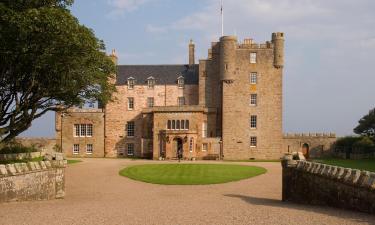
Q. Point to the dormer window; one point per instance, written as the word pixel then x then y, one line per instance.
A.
pixel 180 82
pixel 150 82
pixel 131 83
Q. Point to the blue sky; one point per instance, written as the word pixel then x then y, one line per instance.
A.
pixel 330 48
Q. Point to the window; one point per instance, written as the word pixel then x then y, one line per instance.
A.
pixel 191 144
pixel 181 101
pixel 253 57
pixel 130 103
pixel 204 147
pixel 76 130
pixel 131 82
pixel 150 102
pixel 182 124
pixel 180 82
pixel 253 142
pixel 89 149
pixel 253 99
pixel 130 149
pixel 83 130
pixel 151 82
pixel 169 125
pixel 253 78
pixel 130 129
pixel 75 149
pixel 204 129
pixel 89 130
pixel 178 125
pixel 253 122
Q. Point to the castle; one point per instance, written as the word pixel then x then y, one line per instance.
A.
pixel 229 106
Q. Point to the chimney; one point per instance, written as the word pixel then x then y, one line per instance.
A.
pixel 114 57
pixel 191 52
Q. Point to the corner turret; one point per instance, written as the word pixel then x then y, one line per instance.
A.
pixel 278 43
pixel 228 46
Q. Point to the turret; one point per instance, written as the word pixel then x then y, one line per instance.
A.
pixel 191 52
pixel 228 46
pixel 278 43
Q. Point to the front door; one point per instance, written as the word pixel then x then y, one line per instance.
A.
pixel 179 148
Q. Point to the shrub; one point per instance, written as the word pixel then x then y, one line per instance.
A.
pixel 365 144
pixel 13 148
pixel 348 141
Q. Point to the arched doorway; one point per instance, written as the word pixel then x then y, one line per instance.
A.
pixel 178 148
pixel 306 150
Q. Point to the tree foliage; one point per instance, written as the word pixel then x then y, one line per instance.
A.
pixel 366 125
pixel 48 61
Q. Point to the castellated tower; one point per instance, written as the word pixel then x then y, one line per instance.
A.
pixel 251 97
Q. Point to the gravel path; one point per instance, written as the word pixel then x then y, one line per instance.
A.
pixel 96 194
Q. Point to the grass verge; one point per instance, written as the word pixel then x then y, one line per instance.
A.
pixel 361 164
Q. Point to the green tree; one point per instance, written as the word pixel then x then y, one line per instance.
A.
pixel 367 125
pixel 48 62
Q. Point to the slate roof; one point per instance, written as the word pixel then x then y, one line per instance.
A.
pixel 163 74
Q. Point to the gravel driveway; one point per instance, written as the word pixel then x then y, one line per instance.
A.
pixel 96 194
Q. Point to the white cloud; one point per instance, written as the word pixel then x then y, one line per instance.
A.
pixel 120 6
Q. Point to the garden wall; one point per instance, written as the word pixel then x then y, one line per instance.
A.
pixel 42 180
pixel 320 184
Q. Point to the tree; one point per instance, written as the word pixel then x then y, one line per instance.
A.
pixel 367 125
pixel 48 62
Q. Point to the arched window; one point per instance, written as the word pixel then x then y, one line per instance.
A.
pixel 177 125
pixel 187 124
pixel 182 124
pixel 173 124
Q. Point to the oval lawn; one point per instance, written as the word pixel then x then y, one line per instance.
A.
pixel 190 174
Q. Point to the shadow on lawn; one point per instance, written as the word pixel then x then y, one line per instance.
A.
pixel 350 215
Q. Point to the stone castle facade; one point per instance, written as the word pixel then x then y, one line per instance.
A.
pixel 229 106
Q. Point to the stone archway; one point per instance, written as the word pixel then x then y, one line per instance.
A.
pixel 306 150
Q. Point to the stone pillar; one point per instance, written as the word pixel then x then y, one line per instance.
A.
pixel 288 165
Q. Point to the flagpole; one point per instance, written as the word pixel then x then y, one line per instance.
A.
pixel 222 19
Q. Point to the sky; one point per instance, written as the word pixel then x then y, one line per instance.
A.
pixel 329 79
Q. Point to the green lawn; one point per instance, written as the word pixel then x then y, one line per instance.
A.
pixel 255 160
pixel 190 174
pixel 73 161
pixel 362 164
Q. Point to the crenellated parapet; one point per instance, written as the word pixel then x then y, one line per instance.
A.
pixel 309 135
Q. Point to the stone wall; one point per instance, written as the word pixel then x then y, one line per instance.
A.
pixel 41 143
pixel 319 144
pixel 320 184
pixel 42 180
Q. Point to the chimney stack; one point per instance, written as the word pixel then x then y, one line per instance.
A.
pixel 191 52
pixel 114 57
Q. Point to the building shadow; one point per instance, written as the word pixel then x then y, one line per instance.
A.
pixel 357 217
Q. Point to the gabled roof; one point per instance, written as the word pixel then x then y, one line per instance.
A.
pixel 163 74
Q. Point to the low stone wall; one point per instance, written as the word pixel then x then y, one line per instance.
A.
pixel 320 184
pixel 42 180
pixel 20 156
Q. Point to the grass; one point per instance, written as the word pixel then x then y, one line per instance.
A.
pixel 37 159
pixel 190 174
pixel 254 160
pixel 361 164
pixel 73 161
